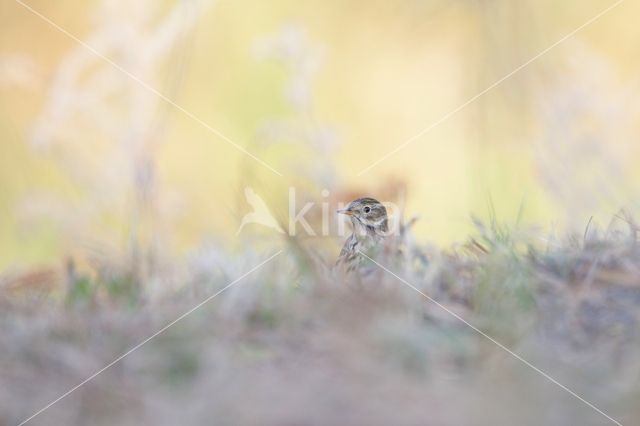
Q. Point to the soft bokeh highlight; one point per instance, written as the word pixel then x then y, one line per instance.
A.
pixel 89 157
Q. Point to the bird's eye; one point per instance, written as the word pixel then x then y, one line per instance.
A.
pixel 367 209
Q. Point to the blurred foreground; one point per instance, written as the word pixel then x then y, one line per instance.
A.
pixel 124 190
pixel 288 346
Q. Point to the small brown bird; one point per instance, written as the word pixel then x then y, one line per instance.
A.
pixel 370 226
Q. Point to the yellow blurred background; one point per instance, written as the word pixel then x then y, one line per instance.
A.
pixel 319 91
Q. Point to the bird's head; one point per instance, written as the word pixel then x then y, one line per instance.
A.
pixel 367 213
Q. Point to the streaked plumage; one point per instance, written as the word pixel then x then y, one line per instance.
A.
pixel 370 226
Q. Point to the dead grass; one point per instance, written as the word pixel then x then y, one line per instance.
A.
pixel 289 346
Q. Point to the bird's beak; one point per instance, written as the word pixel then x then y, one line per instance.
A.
pixel 345 211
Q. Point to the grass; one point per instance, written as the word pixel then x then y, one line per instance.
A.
pixel 290 345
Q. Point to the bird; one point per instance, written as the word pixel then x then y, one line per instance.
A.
pixel 370 227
